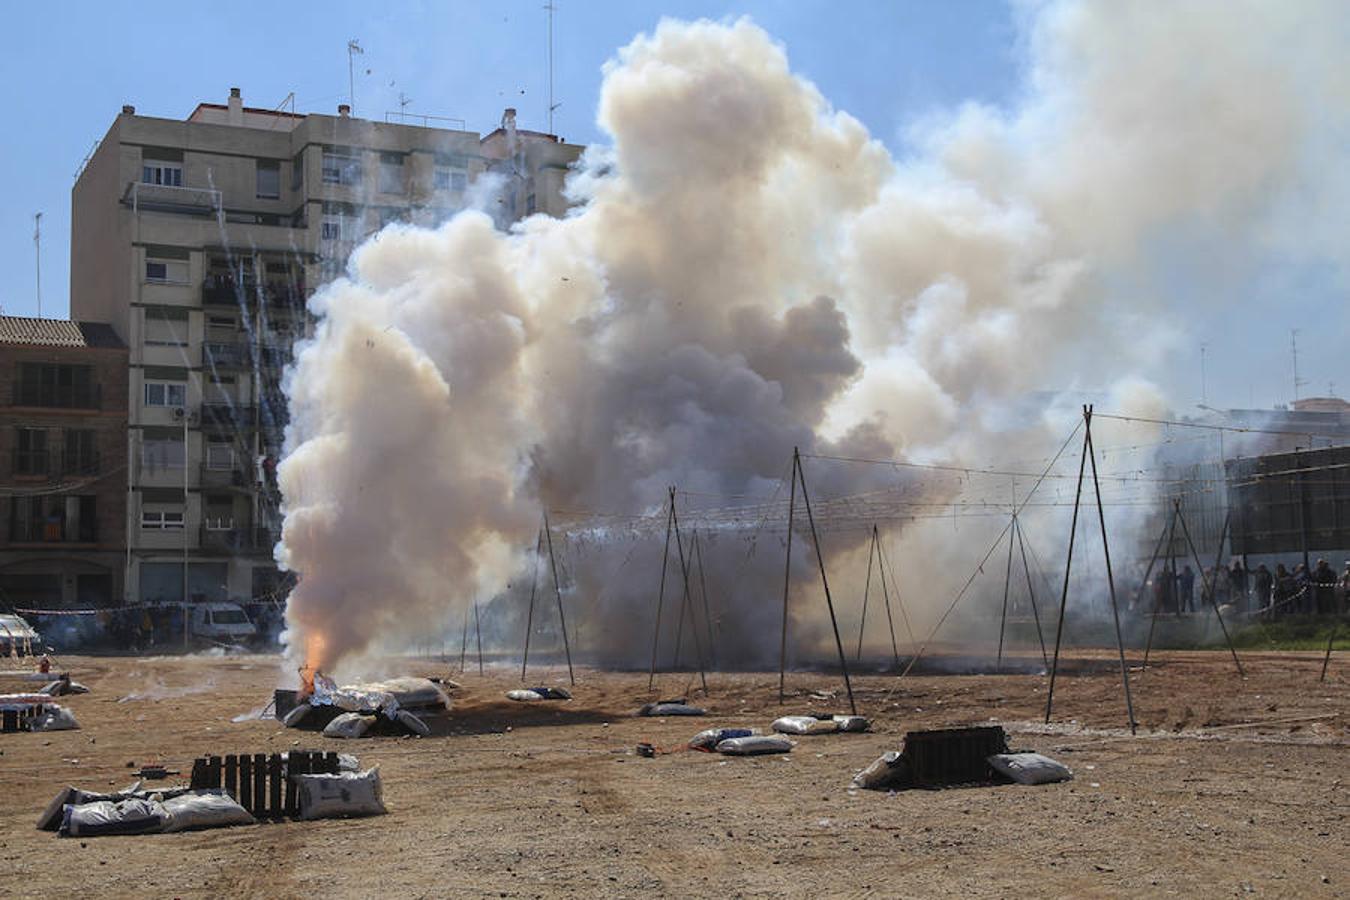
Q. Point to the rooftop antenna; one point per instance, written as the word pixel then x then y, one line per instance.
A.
pixel 551 105
pixel 353 49
pixel 37 252
pixel 1293 351
pixel 403 101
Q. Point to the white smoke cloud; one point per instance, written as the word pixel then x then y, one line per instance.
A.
pixel 747 270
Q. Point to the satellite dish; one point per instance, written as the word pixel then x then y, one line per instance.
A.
pixel 179 413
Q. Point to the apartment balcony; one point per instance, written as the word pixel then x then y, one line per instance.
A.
pixel 46 465
pixel 222 537
pixel 222 355
pixel 189 201
pixel 224 289
pixel 58 396
pixel 215 477
pixel 231 417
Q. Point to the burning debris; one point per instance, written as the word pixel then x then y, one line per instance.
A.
pixel 353 710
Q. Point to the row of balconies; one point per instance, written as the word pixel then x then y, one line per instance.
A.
pixel 58 396
pixel 50 465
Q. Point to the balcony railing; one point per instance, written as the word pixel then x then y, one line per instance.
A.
pixel 53 532
pixel 220 355
pixel 224 289
pixel 58 396
pixel 225 415
pixel 215 477
pixel 168 198
pixel 236 540
pixel 47 464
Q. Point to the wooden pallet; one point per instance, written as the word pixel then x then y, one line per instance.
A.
pixel 262 783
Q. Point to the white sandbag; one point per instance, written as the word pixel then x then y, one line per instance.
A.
pixel 886 771
pixel 1030 768
pixel 671 709
pixel 852 723
pixel 297 715
pixel 754 745
pixel 709 739
pixel 805 725
pixel 412 723
pixel 348 763
pixel 342 795
pixel 348 725
pixel 520 695
pixel 204 809
pixel 133 816
pixel 552 693
pixel 54 718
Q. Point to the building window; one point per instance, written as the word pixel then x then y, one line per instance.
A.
pixel 219 456
pixel 529 205
pixel 268 179
pixel 298 172
pixel 169 174
pixel 330 229
pixel 161 453
pixel 79 453
pixel 161 520
pixel 391 173
pixel 30 452
pixel 162 393
pixel 341 167
pixel 53 385
pixel 163 271
pixel 54 519
pixel 166 327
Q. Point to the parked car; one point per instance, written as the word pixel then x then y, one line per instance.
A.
pixel 17 636
pixel 224 623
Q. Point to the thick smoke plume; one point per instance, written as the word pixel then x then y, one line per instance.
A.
pixel 748 270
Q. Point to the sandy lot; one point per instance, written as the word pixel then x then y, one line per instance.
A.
pixel 1233 786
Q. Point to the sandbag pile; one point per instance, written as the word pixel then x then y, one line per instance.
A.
pixel 391 700
pixel 531 695
pixel 891 771
pixel 77 813
pixel 670 708
pixel 820 723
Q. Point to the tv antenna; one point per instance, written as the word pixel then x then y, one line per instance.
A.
pixel 37 253
pixel 353 50
pixel 403 101
pixel 1293 352
pixel 551 8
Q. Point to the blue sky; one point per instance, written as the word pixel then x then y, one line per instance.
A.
pixel 69 69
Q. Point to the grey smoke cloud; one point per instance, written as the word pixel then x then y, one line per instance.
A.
pixel 747 270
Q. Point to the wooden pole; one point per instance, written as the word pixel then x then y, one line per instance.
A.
pixel 1064 595
pixel 684 567
pixel 867 587
pixel 660 599
pixel 478 633
pixel 825 583
pixel 557 590
pixel 464 641
pixel 1186 533
pixel 1031 592
pixel 787 578
pixel 1153 560
pixel 887 573
pixel 529 618
pixel 1007 583
pixel 1326 660
pixel 1110 578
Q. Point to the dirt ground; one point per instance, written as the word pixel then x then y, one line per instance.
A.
pixel 1232 787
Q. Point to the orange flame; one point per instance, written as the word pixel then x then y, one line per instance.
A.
pixel 314 657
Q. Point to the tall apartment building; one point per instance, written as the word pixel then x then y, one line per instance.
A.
pixel 63 454
pixel 200 241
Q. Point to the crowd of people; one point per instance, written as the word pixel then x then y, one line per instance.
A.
pixel 1283 591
